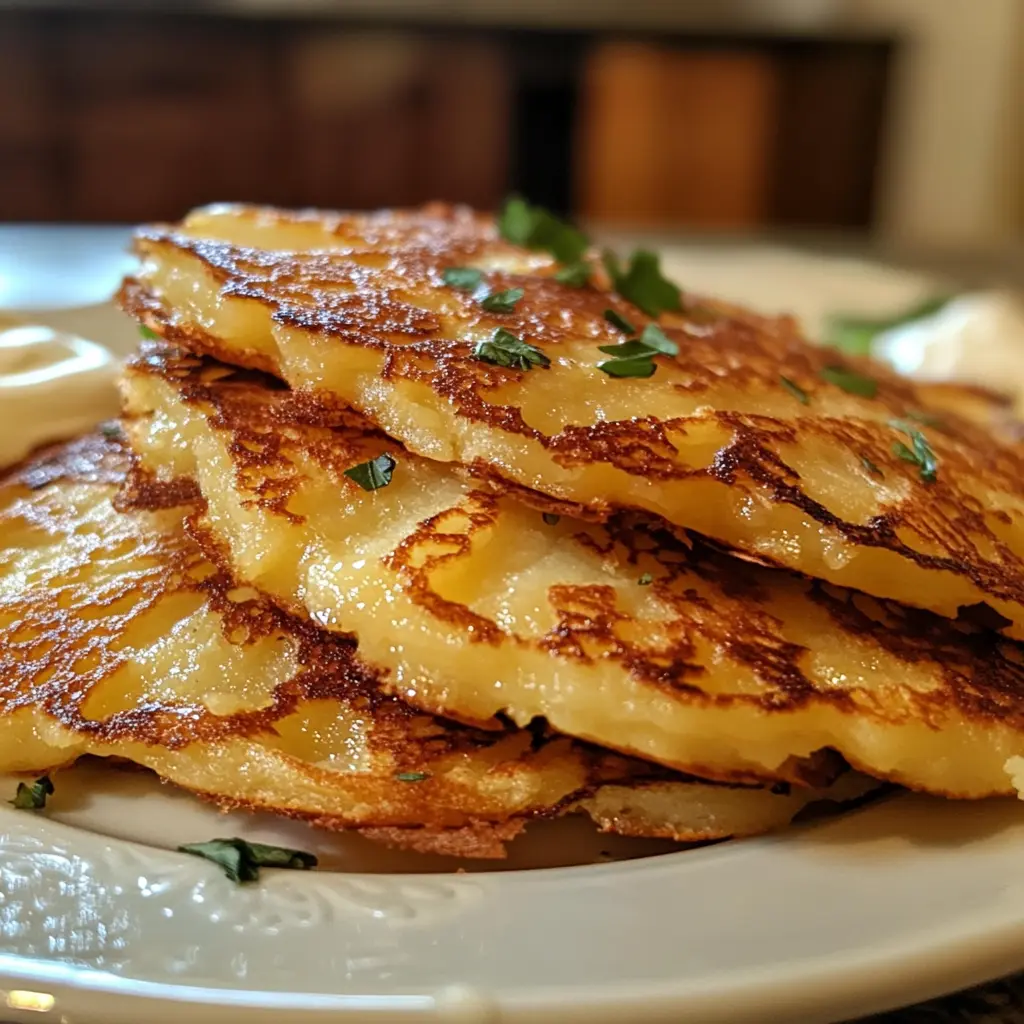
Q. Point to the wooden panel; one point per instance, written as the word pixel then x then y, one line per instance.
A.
pixel 621 173
pixel 718 132
pixel 160 117
pixel 29 128
pixel 385 118
pixel 677 136
pixel 832 100
pixel 465 131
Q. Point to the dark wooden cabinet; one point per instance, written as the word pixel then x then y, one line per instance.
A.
pixel 127 116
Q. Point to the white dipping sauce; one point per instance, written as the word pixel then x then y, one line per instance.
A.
pixel 53 386
pixel 974 339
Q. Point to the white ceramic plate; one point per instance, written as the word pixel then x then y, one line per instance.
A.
pixel 102 923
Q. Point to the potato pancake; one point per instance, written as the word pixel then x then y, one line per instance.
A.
pixel 473 604
pixel 121 640
pixel 468 348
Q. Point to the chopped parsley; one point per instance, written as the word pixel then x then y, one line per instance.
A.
pixel 412 776
pixel 32 797
pixel 635 358
pixel 795 390
pixel 870 466
pixel 149 335
pixel 645 580
pixel 640 366
pixel 852 382
pixel 463 278
pixel 575 275
pixel 241 861
pixel 111 431
pixel 919 452
pixel 616 319
pixel 855 334
pixel 504 349
pixel 643 284
pixel 928 419
pixel 551 518
pixel 373 475
pixel 502 302
pixel 535 228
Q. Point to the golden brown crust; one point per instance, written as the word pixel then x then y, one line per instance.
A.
pixel 481 841
pixel 429 784
pixel 720 619
pixel 380 288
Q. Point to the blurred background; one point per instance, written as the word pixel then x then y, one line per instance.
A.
pixel 894 118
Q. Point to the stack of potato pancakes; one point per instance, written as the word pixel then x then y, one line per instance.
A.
pixel 427 524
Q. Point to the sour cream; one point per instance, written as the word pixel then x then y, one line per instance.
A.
pixel 977 338
pixel 53 385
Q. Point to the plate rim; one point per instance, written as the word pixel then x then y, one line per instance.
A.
pixel 970 948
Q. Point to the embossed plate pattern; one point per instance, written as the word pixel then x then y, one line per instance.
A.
pixel 892 903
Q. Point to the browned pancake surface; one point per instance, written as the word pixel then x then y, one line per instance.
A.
pixel 617 633
pixel 745 436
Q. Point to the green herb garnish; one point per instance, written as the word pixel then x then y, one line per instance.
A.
pixel 534 228
pixel 616 319
pixel 111 431
pixel 551 518
pixel 502 302
pixel 373 475
pixel 928 419
pixel 575 275
pixel 149 335
pixel 241 861
pixel 870 466
pixel 646 579
pixel 850 381
pixel 640 366
pixel 504 349
pixel 795 390
pixel 32 797
pixel 643 284
pixel 412 776
pixel 855 334
pixel 919 451
pixel 463 278
pixel 635 358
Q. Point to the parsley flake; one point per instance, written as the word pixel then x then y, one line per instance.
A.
pixel 535 228
pixel 639 366
pixel 870 466
pixel 412 776
pixel 645 580
pixel 32 797
pixel 643 284
pixel 852 382
pixel 855 334
pixel 504 349
pixel 635 358
pixel 551 518
pixel 463 278
pixel 919 451
pixel 575 275
pixel 111 431
pixel 616 319
pixel 373 475
pixel 928 419
pixel 795 390
pixel 149 335
pixel 502 302
pixel 241 861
